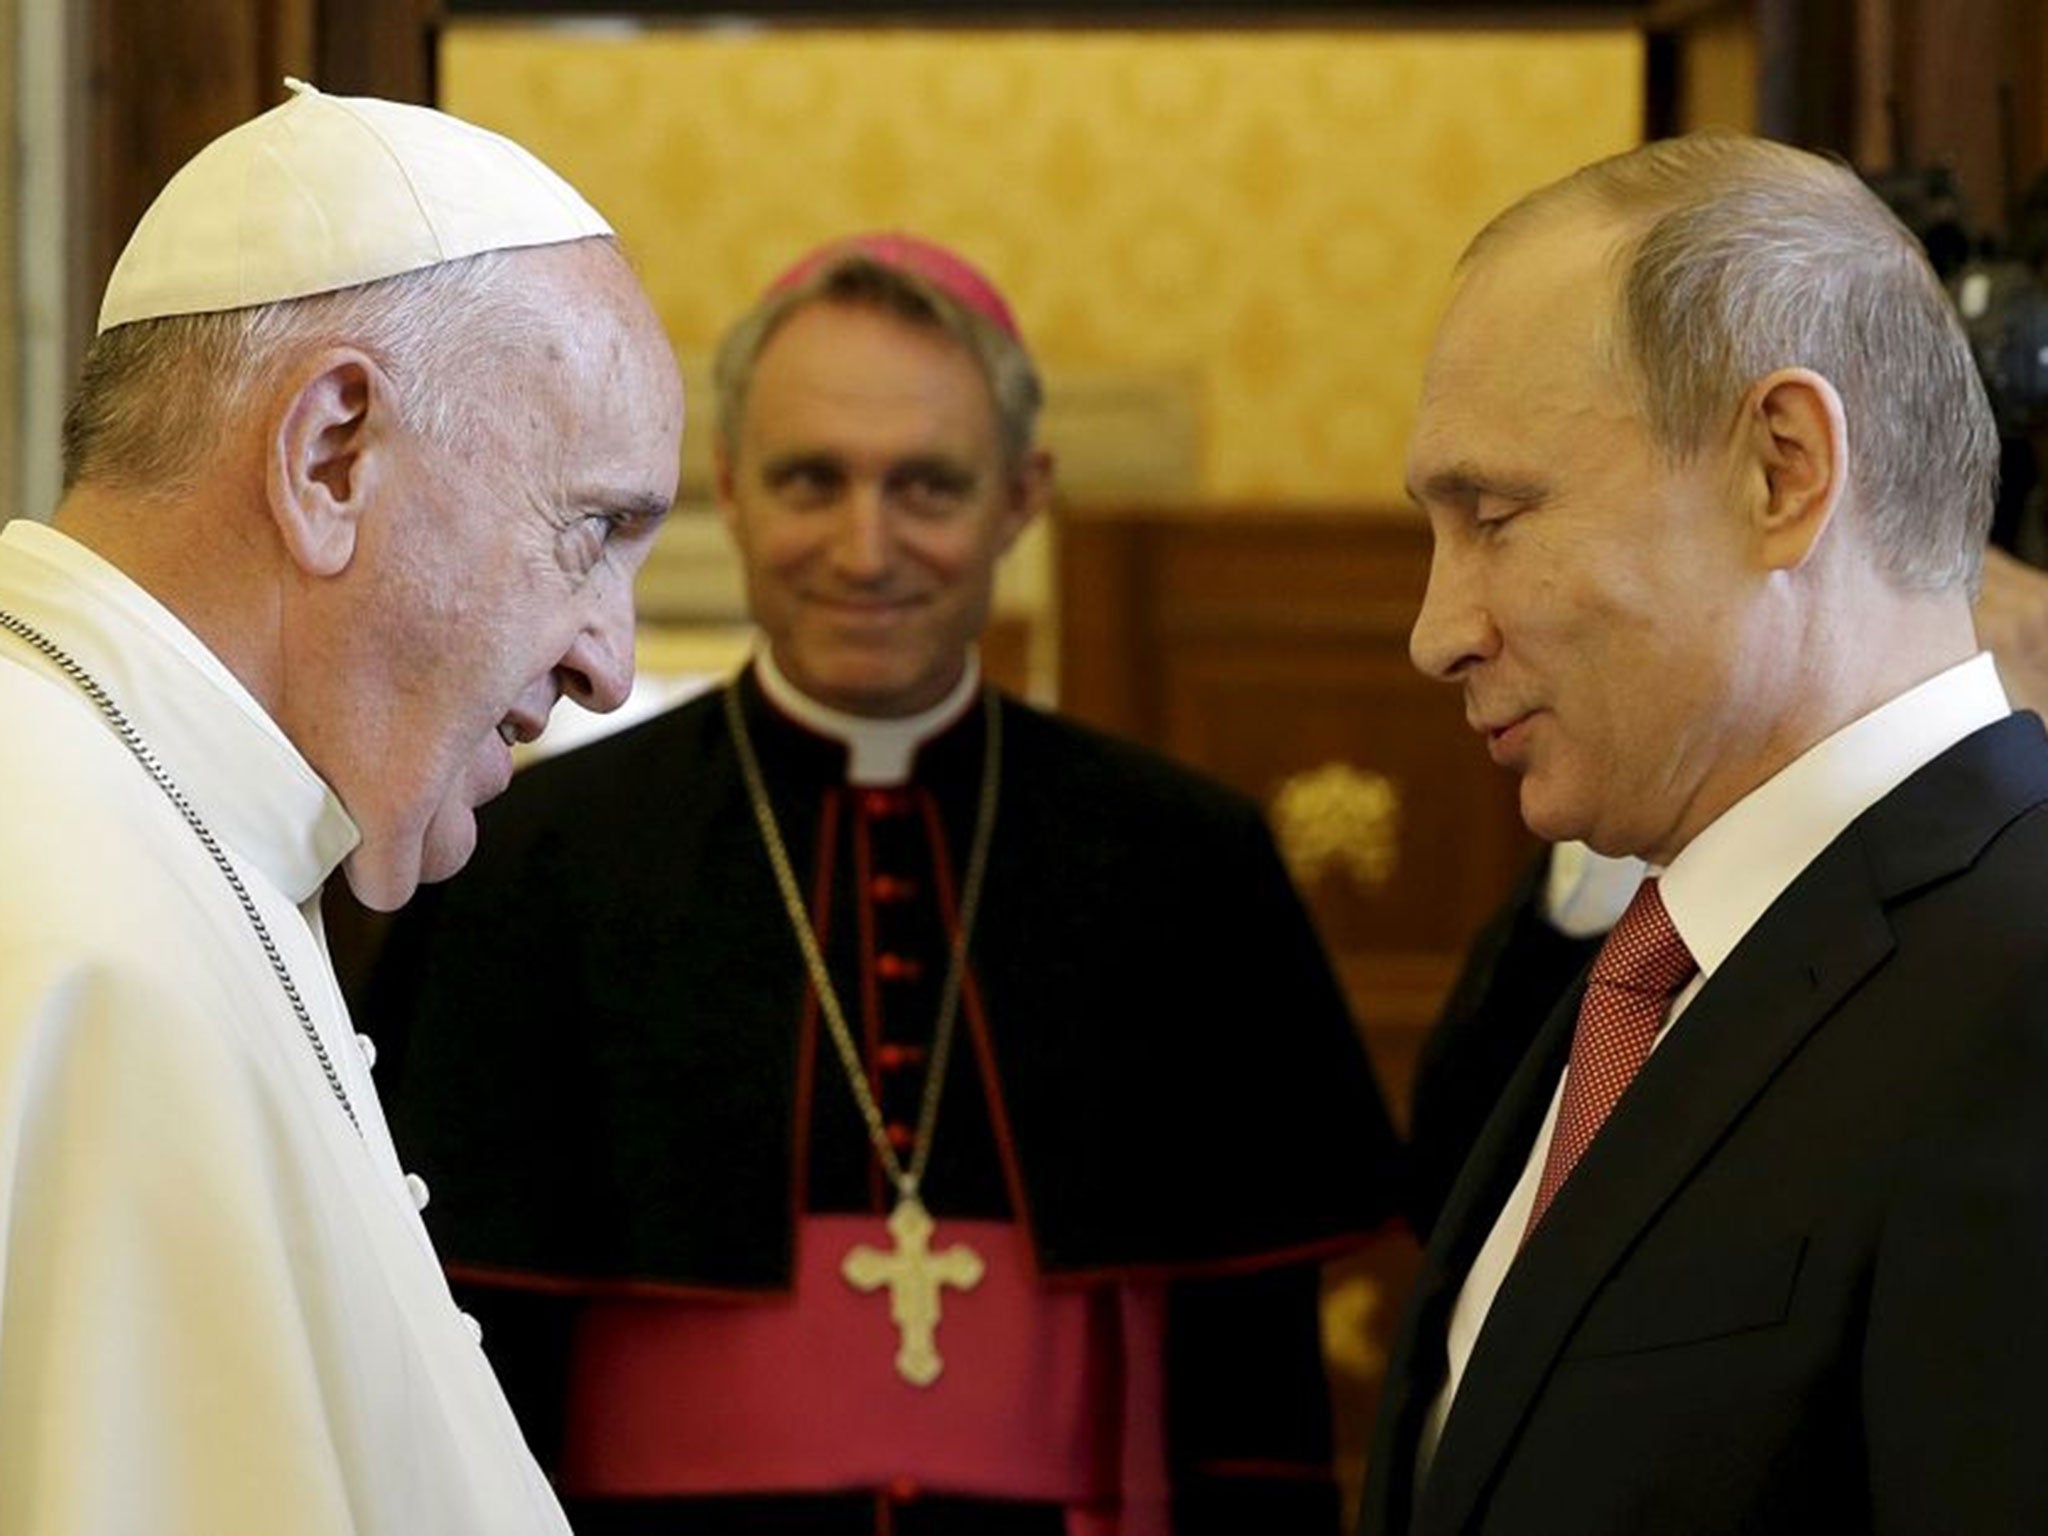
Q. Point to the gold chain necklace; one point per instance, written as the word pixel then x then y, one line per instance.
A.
pixel 912 1272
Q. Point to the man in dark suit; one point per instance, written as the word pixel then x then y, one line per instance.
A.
pixel 1755 1237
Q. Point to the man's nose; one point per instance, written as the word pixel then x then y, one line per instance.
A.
pixel 1453 630
pixel 597 670
pixel 860 535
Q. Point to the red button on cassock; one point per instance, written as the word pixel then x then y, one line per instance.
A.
pixel 898 968
pixel 894 1058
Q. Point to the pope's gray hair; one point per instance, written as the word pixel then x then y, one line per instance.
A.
pixel 155 397
pixel 1738 257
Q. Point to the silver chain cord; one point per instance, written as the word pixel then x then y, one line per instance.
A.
pixel 88 685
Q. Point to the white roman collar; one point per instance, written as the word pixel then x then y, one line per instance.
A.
pixel 878 751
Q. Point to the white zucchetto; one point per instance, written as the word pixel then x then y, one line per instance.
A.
pixel 326 192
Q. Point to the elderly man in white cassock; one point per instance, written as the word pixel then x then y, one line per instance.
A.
pixel 377 429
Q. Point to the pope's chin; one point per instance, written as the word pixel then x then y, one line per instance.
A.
pixel 385 871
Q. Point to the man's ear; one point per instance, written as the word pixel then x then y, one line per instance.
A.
pixel 723 475
pixel 1031 486
pixel 1798 437
pixel 332 424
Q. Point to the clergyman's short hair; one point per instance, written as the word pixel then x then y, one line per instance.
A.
pixel 860 280
pixel 155 396
pixel 1740 256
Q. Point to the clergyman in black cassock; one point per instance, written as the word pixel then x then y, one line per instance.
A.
pixel 1154 1117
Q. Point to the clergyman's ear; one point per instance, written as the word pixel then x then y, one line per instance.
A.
pixel 319 474
pixel 1031 485
pixel 724 482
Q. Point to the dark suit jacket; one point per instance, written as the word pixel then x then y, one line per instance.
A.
pixel 614 1080
pixel 1796 1282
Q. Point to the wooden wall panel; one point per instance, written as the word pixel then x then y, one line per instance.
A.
pixel 1967 77
pixel 11 341
pixel 1268 647
pixel 1963 78
pixel 163 80
pixel 377 47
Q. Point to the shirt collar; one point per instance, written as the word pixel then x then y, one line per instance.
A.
pixel 246 780
pixel 878 751
pixel 1728 876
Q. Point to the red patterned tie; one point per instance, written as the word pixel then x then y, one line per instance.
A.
pixel 1639 969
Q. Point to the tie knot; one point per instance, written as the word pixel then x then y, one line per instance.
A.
pixel 1643 952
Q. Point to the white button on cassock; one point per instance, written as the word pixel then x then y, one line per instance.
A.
pixel 417 1188
pixel 369 1049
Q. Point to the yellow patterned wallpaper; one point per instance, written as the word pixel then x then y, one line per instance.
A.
pixel 1271 214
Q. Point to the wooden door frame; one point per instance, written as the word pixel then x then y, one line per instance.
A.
pixel 156 82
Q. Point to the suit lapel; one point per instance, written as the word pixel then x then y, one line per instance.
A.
pixel 1823 936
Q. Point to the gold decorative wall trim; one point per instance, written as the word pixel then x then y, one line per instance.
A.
pixel 1338 820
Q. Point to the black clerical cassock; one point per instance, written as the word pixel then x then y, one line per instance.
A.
pixel 650 1168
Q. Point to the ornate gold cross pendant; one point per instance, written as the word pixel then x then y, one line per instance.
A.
pixel 914 1274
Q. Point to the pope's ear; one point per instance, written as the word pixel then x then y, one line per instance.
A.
pixel 321 453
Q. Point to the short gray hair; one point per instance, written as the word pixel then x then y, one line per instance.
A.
pixel 154 397
pixel 1741 256
pixel 858 279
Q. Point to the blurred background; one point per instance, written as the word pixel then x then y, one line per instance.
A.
pixel 1227 231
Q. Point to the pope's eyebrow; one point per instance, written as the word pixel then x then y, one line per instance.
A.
pixel 635 507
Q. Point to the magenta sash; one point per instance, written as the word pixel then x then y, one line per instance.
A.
pixel 1047 1394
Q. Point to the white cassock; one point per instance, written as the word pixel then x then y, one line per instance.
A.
pixel 219 1310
